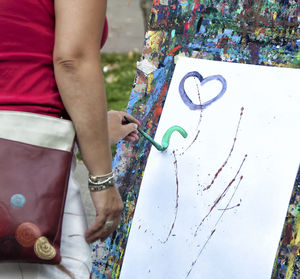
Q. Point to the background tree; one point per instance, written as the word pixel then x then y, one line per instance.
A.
pixel 146 6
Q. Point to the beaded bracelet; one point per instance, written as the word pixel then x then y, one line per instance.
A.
pixel 101 182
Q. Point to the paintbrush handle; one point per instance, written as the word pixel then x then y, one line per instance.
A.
pixel 145 135
pixel 166 138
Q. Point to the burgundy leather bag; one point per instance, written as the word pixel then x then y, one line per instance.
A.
pixel 36 154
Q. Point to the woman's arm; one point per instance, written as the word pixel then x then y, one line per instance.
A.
pixel 79 78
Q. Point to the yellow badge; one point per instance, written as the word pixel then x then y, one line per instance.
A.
pixel 43 249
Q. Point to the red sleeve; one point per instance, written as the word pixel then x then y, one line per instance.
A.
pixel 105 33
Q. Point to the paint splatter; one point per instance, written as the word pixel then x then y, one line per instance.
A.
pixel 229 155
pixel 177 198
pixel 199 121
pixel 221 196
pixel 219 219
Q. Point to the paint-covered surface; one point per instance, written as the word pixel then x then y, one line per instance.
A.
pixel 241 31
pixel 287 264
pixel 206 194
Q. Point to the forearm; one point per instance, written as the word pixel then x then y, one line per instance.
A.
pixel 81 86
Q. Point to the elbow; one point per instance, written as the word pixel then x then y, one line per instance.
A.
pixel 67 63
pixel 72 60
pixel 70 63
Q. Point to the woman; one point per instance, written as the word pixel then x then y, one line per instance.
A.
pixel 49 64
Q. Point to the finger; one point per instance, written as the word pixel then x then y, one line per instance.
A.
pixel 99 230
pixel 131 138
pixel 96 235
pixel 130 117
pixel 133 134
pixel 105 231
pixel 96 227
pixel 129 128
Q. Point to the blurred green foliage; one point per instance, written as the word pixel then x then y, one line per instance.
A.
pixel 119 71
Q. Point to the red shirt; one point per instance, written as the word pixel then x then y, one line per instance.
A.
pixel 27 80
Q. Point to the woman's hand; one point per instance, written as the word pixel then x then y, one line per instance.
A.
pixel 109 206
pixel 119 129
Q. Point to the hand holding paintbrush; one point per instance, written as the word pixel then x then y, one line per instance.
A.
pixel 119 129
pixel 166 137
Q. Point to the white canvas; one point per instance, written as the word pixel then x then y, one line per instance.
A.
pixel 206 231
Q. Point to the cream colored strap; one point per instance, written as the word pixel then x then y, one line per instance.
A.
pixel 37 129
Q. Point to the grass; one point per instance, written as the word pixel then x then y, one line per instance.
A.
pixel 119 71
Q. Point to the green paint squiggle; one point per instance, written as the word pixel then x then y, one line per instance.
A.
pixel 166 138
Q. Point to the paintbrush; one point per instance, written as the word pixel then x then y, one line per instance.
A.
pixel 145 135
pixel 166 137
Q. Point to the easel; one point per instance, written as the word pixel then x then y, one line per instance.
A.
pixel 253 32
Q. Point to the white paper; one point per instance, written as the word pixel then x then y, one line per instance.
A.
pixel 207 241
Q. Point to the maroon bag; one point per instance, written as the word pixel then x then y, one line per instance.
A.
pixel 36 154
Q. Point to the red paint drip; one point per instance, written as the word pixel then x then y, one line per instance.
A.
pixel 203 247
pixel 177 199
pixel 229 208
pixel 219 219
pixel 199 122
pixel 221 196
pixel 229 155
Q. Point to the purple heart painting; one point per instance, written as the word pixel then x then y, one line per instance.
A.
pixel 185 98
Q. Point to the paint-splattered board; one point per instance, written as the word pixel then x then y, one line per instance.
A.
pixel 253 32
pixel 202 210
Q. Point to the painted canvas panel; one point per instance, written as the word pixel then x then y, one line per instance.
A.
pixel 213 204
pixel 248 32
